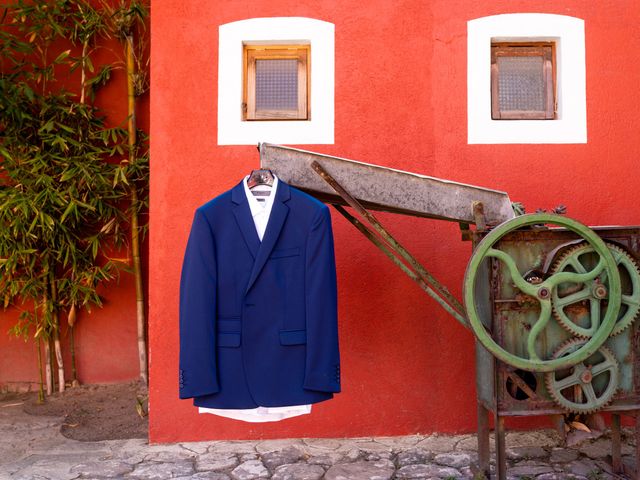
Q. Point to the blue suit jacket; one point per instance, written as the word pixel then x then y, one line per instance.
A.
pixel 258 320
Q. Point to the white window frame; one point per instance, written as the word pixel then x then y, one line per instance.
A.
pixel 320 35
pixel 567 33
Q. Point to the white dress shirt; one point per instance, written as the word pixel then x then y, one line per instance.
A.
pixel 260 206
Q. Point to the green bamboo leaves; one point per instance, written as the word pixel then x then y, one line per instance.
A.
pixel 65 176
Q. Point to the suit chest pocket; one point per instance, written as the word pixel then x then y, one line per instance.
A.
pixel 285 253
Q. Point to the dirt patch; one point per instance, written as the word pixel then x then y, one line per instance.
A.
pixel 96 412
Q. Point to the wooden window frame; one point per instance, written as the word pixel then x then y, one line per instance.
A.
pixel 547 51
pixel 251 53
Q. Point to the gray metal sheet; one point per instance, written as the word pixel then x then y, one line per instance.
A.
pixel 387 189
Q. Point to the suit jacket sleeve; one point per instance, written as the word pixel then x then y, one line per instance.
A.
pixel 322 371
pixel 198 372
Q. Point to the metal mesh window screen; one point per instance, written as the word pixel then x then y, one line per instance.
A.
pixel 276 84
pixel 521 83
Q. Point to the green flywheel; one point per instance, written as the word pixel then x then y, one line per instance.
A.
pixel 543 292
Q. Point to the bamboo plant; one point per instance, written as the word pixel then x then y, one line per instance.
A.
pixel 63 200
pixel 126 21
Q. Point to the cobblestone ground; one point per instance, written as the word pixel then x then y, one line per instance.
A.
pixel 32 448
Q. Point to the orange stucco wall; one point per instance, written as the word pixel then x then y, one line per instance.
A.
pixel 400 101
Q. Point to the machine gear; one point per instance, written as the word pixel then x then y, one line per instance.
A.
pixel 586 386
pixel 542 293
pixel 579 307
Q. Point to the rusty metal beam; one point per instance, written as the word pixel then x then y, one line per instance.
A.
pixel 387 189
pixel 444 296
pixel 484 446
pixel 519 383
pixel 616 449
pixel 501 451
pixel 389 253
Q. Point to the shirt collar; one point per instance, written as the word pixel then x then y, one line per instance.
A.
pixel 254 205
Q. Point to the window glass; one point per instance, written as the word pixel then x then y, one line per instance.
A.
pixel 276 82
pixel 523 81
pixel 520 83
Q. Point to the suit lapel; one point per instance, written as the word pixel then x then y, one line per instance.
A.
pixel 242 212
pixel 277 218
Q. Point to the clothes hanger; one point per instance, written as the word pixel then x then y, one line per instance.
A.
pixel 260 177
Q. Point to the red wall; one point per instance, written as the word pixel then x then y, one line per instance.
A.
pixel 106 338
pixel 400 101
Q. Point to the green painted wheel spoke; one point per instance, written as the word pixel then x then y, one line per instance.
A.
pixel 573 298
pixel 604 366
pixel 543 319
pixel 595 314
pixel 518 279
pixel 618 256
pixel 573 379
pixel 577 266
pixel 587 389
pixel 630 300
pixel 564 277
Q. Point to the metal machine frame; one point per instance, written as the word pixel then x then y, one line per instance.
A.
pixel 502 389
pixel 492 301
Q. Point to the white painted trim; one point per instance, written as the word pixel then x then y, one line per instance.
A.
pixel 232 130
pixel 568 33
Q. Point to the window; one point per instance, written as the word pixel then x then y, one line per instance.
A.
pixel 273 33
pixel 523 81
pixel 566 37
pixel 276 82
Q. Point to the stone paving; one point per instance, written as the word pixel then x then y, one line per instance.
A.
pixel 31 447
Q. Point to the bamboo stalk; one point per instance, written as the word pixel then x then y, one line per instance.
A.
pixel 72 347
pixel 83 73
pixel 47 366
pixel 41 373
pixel 83 81
pixel 52 360
pixel 58 352
pixel 74 371
pixel 135 230
pixel 45 331
pixel 39 347
pixel 56 333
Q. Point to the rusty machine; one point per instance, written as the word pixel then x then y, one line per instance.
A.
pixel 552 303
